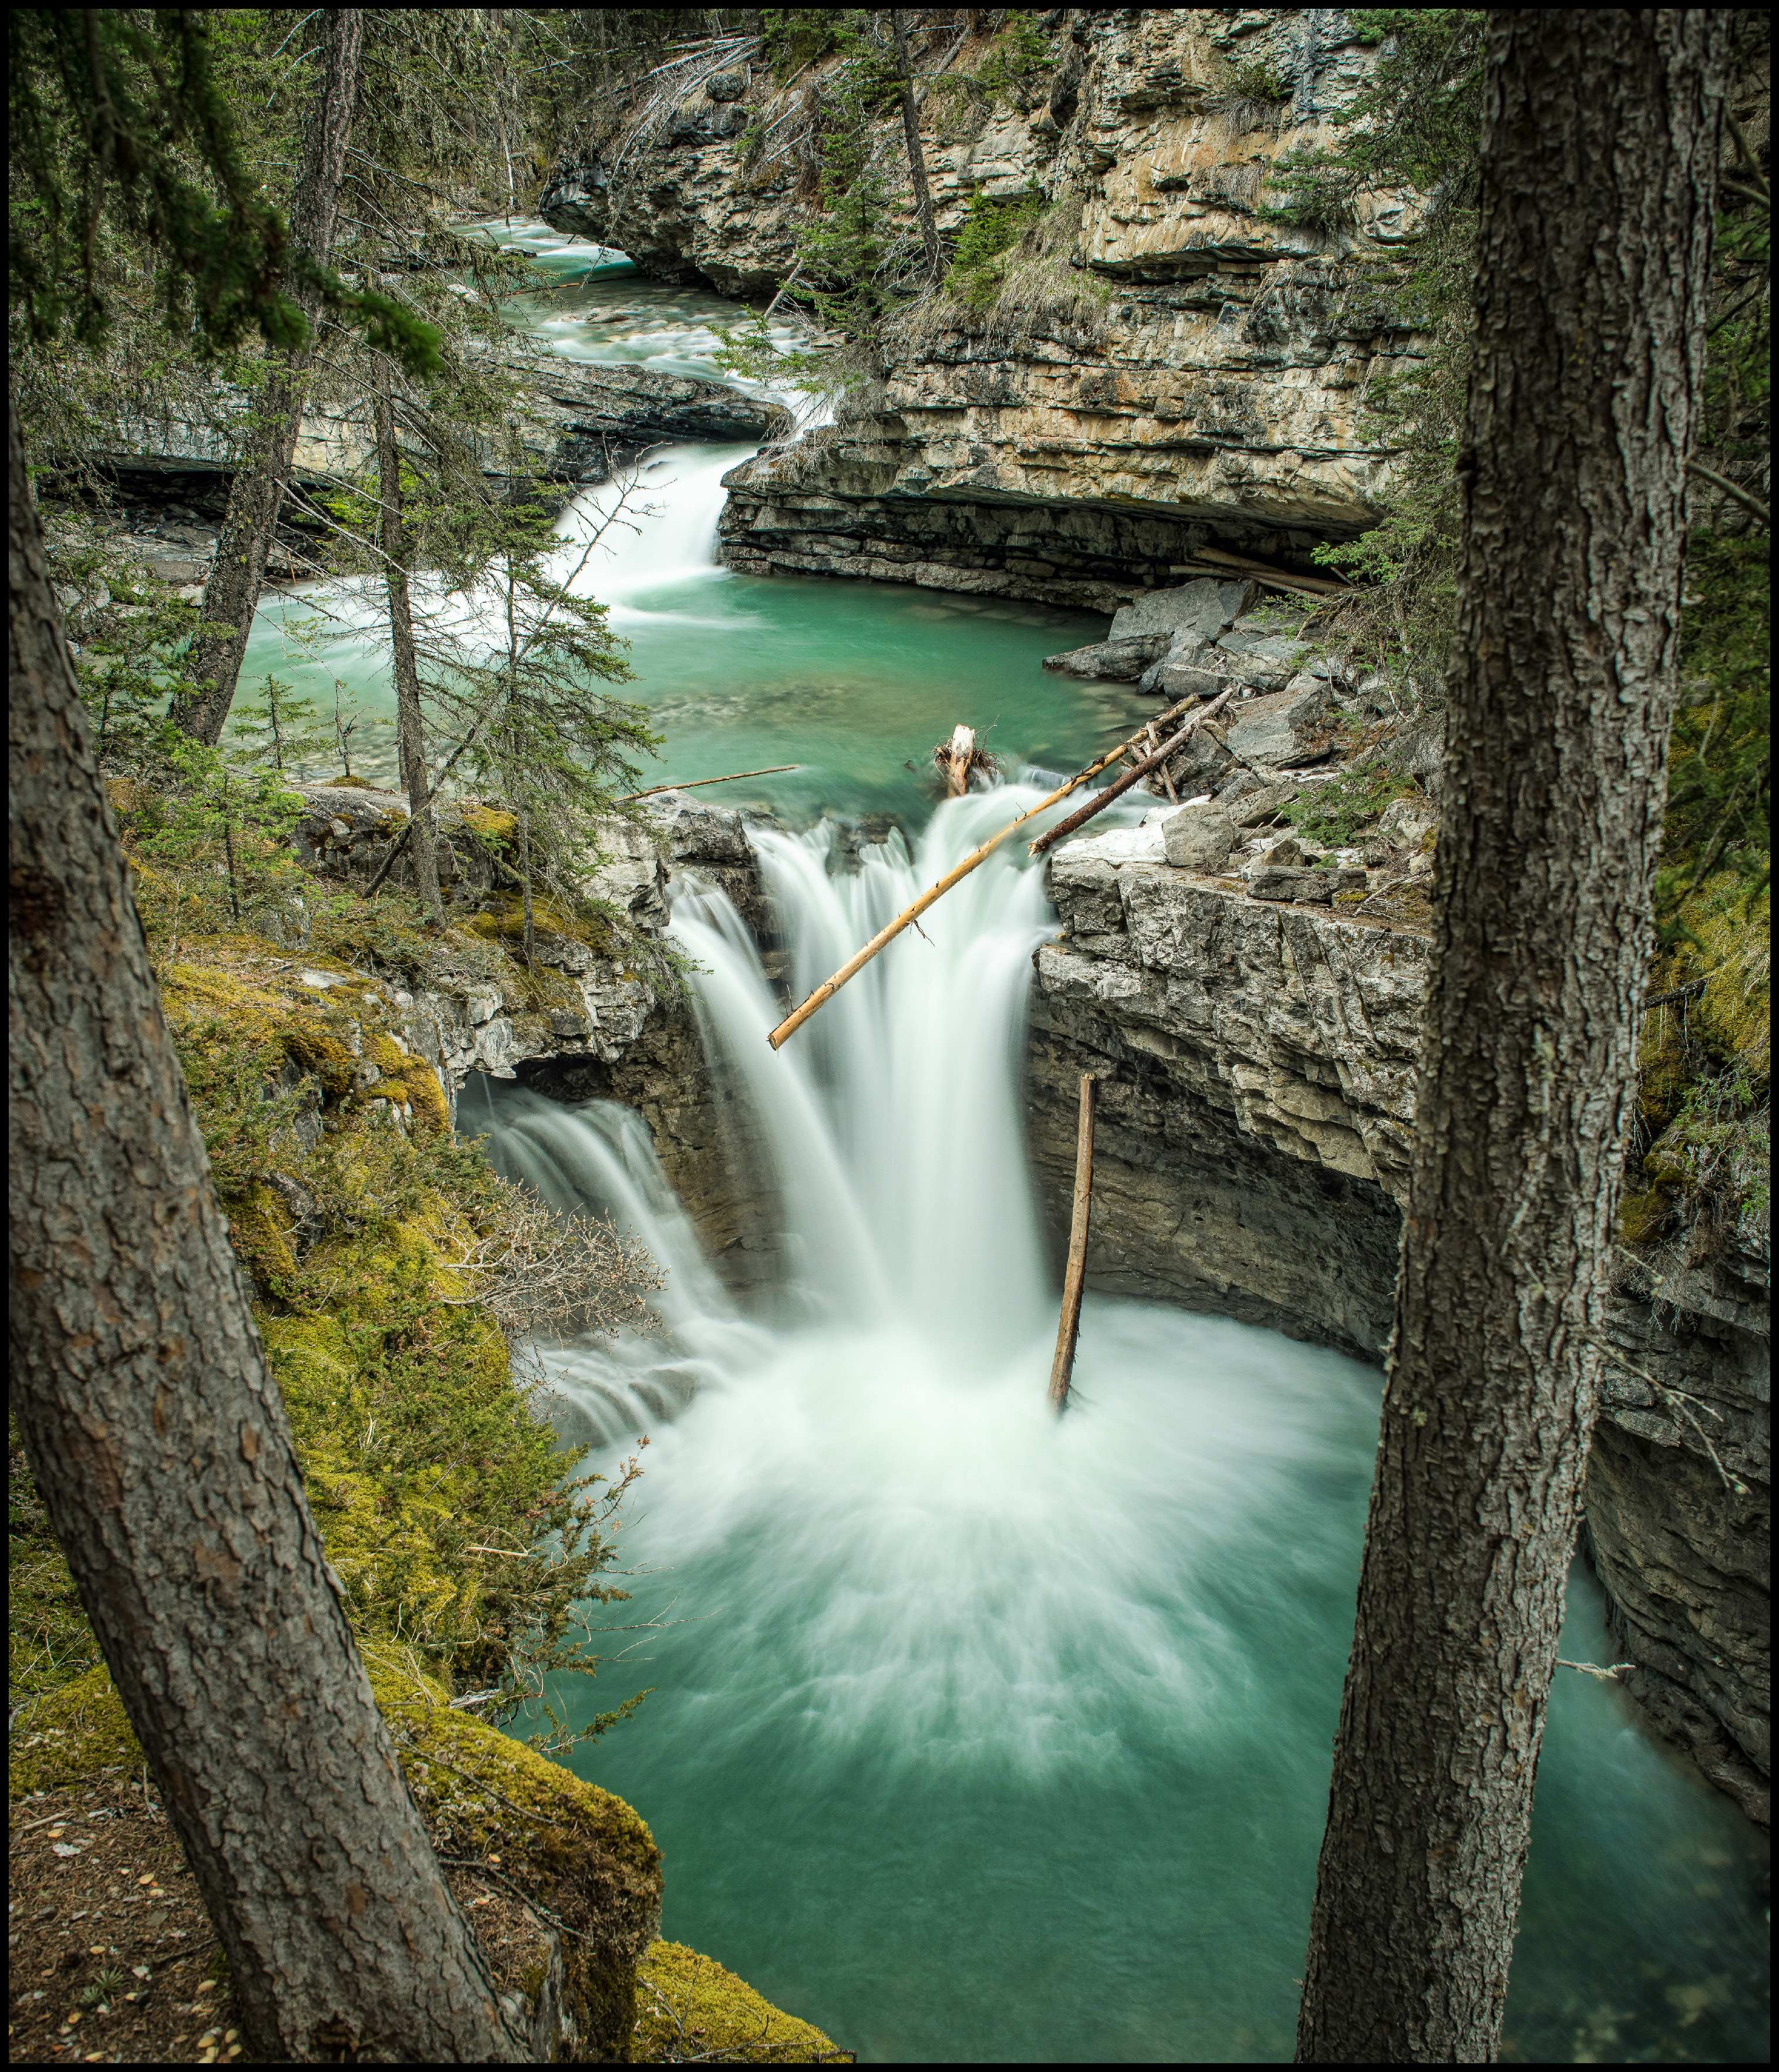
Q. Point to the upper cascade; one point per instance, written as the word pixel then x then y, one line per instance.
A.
pixel 1164 363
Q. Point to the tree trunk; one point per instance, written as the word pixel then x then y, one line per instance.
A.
pixel 257 495
pixel 1598 173
pixel 410 722
pixel 917 162
pixel 160 1446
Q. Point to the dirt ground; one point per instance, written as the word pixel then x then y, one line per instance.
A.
pixel 112 1956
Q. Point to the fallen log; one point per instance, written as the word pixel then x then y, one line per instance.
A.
pixel 1062 1367
pixel 692 783
pixel 1265 572
pixel 1214 561
pixel 908 915
pixel 1120 785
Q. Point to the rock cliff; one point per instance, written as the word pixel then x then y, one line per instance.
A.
pixel 1256 1059
pixel 1171 367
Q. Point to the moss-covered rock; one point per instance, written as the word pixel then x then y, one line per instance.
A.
pixel 688 2007
pixel 578 1853
pixel 72 1734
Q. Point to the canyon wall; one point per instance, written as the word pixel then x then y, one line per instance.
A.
pixel 1174 368
pixel 1256 1060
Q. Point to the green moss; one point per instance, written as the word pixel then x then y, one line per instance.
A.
pixel 1335 813
pixel 584 1854
pixel 1705 1073
pixel 71 1735
pixel 48 1641
pixel 488 822
pixel 688 2006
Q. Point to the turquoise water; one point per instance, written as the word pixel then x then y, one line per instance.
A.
pixel 985 1754
pixel 854 681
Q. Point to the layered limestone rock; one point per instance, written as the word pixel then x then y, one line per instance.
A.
pixel 587 1025
pixel 1181 370
pixel 580 424
pixel 1257 1058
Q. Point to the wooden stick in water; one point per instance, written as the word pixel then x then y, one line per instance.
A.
pixel 1075 1276
pixel 1137 772
pixel 828 987
pixel 692 783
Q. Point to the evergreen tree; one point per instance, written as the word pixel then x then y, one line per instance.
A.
pixel 1583 402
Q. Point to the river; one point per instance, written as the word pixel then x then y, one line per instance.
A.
pixel 974 1735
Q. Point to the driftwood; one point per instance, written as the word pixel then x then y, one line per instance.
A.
pixel 1215 561
pixel 1075 1275
pixel 828 987
pixel 958 758
pixel 1154 740
pixel 692 783
pixel 1120 785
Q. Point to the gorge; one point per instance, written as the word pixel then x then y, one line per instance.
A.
pixel 969 1734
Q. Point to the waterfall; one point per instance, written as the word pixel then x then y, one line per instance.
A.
pixel 624 541
pixel 891 1120
pixel 891 1384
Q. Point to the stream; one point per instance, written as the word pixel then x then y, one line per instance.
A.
pixel 975 1736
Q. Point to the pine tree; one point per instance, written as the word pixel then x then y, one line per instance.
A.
pixel 1583 402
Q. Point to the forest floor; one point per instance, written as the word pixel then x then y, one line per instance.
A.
pixel 112 1955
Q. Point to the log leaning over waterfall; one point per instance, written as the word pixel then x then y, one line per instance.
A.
pixel 1120 785
pixel 1075 1275
pixel 692 783
pixel 909 915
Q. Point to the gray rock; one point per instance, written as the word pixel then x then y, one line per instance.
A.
pixel 1119 661
pixel 1417 750
pixel 1302 887
pixel 1279 730
pixel 1406 822
pixel 692 832
pixel 1203 609
pixel 701 124
pixel 1283 855
pixel 727 85
pixel 1199 838
pixel 1187 670
pixel 1258 803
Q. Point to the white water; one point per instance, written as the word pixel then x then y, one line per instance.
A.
pixel 886 1404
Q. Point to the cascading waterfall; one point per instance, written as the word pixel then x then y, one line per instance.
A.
pixel 897 1371
pixel 979 1734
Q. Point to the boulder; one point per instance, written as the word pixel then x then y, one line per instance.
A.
pixel 727 85
pixel 1199 838
pixel 1201 608
pixel 1251 801
pixel 1301 887
pixel 1120 661
pixel 1406 822
pixel 1279 730
pixel 699 123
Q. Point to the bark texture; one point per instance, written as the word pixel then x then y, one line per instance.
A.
pixel 410 722
pixel 1599 167
pixel 160 1446
pixel 256 497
